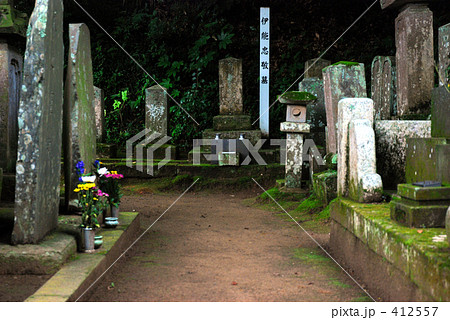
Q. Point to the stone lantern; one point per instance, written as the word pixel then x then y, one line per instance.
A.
pixel 295 126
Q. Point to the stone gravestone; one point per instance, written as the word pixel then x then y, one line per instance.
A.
pixel 99 103
pixel 231 123
pixel 414 59
pixel 384 93
pixel 12 24
pixel 314 67
pixel 365 184
pixel 40 123
pixel 341 80
pixel 355 109
pixel 230 86
pixel 391 136
pixel 444 55
pixel 156 112
pixel 79 115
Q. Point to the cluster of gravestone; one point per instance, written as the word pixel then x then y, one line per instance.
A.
pixel 41 115
pixel 388 140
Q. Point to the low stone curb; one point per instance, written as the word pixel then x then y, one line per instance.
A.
pixel 420 261
pixel 72 280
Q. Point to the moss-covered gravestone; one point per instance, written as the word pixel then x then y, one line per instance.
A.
pixel 341 80
pixel 12 26
pixel 384 90
pixel 40 125
pixel 444 55
pixel 80 134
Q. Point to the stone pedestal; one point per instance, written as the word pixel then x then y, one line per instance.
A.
pixel 156 110
pixel 294 152
pixel 343 80
pixel 80 132
pixel 38 168
pixel 414 59
pixel 384 91
pixel 418 207
pixel 444 55
pixel 99 106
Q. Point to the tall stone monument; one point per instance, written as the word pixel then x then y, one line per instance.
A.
pixel 414 56
pixel 79 115
pixel 40 124
pixel 341 80
pixel 232 122
pixel 384 87
pixel 156 110
pixel 444 55
pixel 12 24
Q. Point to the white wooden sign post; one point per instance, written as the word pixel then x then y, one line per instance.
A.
pixel 264 47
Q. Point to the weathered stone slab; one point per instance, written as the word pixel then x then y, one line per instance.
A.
pixel 314 67
pixel 252 135
pixel 447 225
pixel 232 122
pixel 423 194
pixel 443 163
pixel 156 112
pixel 294 127
pixel 444 55
pixel 80 134
pixel 384 91
pixel 294 160
pixel 440 113
pixel 99 106
pixel 349 109
pixel 364 184
pixel 11 64
pixel 316 115
pixel 230 86
pixel 421 159
pixel 341 81
pixel 390 139
pixel 414 59
pixel 40 125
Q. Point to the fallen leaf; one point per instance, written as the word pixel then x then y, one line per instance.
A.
pixel 419 231
pixel 234 283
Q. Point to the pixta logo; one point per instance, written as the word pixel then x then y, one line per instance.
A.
pixel 150 142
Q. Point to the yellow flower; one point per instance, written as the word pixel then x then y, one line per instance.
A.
pixel 95 199
pixel 76 190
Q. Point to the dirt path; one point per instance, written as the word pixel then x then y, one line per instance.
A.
pixel 211 247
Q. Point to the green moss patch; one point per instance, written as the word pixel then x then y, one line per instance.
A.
pixel 296 97
pixel 346 63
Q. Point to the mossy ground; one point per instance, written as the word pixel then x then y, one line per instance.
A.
pixel 305 209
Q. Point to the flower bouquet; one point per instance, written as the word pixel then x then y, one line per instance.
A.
pixel 92 201
pixel 109 182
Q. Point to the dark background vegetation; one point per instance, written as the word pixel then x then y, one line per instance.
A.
pixel 180 43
